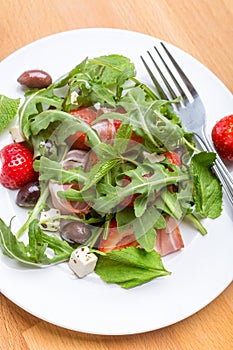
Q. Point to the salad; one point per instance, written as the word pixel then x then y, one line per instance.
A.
pixel 108 173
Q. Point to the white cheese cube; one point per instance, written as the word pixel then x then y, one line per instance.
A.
pixel 73 97
pixel 49 225
pixel 82 261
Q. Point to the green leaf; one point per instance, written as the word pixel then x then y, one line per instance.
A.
pixel 172 202
pixel 207 188
pixel 97 172
pixel 30 107
pixel 50 169
pixel 69 125
pixel 140 204
pixel 8 110
pixel 9 244
pixel 147 121
pixel 130 267
pixel 122 138
pixel 138 185
pixel 36 246
pixel 35 252
pixel 114 66
pixel 145 225
pixel 64 79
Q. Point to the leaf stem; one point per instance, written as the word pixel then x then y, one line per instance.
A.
pixel 197 224
pixel 191 146
pixel 34 214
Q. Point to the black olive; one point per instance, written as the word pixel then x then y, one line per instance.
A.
pixel 75 232
pixel 28 194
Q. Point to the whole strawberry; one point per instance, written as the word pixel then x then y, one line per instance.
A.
pixel 222 136
pixel 17 166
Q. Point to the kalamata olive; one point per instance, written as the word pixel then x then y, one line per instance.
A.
pixel 76 232
pixel 28 194
pixel 35 79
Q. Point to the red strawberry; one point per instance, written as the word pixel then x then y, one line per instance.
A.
pixel 222 136
pixel 78 140
pixel 173 158
pixel 134 137
pixel 17 166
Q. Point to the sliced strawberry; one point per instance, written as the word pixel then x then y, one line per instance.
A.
pixel 173 158
pixel 169 239
pixel 134 137
pixel 222 136
pixel 129 200
pixel 78 140
pixel 17 166
pixel 117 240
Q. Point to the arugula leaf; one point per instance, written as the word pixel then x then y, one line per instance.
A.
pixel 130 267
pixel 64 79
pixel 35 252
pixel 101 80
pixel 8 110
pixel 144 227
pixel 50 169
pixel 122 138
pixel 139 184
pixel 31 107
pixel 114 66
pixel 207 188
pixel 10 245
pixel 159 132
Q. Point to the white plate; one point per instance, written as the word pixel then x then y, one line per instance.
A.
pixel 199 273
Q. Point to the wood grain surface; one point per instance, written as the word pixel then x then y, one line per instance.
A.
pixel 203 28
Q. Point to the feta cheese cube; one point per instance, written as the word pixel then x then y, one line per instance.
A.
pixel 73 97
pixel 82 261
pixel 49 225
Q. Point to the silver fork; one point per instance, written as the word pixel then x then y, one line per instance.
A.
pixel 190 109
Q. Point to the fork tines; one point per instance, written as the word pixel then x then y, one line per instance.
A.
pixel 178 83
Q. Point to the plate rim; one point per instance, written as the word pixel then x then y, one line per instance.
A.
pixel 51 36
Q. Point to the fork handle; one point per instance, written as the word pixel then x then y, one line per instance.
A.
pixel 219 168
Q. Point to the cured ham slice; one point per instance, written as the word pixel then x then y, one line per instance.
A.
pixel 117 240
pixel 74 159
pixel 66 206
pixel 169 239
pixel 105 129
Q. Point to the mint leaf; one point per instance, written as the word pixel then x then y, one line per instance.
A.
pixel 130 267
pixel 98 171
pixel 207 188
pixel 8 110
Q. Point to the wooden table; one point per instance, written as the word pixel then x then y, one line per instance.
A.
pixel 203 28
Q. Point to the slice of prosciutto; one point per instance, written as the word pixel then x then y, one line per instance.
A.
pixel 66 206
pixel 74 159
pixel 169 239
